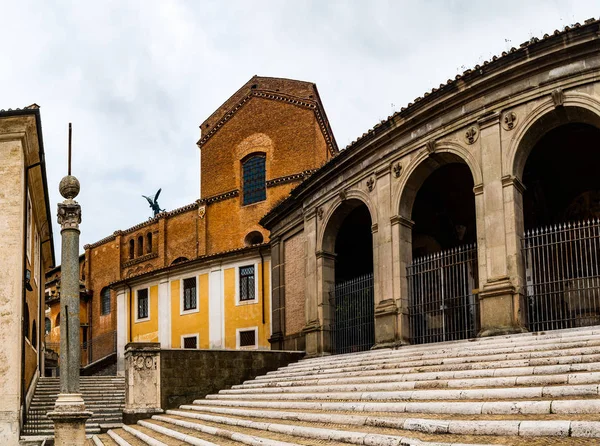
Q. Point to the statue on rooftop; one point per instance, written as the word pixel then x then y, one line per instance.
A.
pixel 154 203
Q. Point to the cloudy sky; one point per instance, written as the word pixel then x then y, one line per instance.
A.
pixel 137 78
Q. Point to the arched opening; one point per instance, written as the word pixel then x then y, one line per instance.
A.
pixel 253 238
pixel 140 246
pixel 254 186
pixel 48 325
pixel 34 335
pixel 561 212
pixel 440 251
pixel 105 301
pixel 131 249
pixel 26 321
pixel 179 260
pixel 57 320
pixel 348 268
pixel 149 243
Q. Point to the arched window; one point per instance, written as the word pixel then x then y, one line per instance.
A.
pixel 26 321
pixel 105 301
pixel 57 320
pixel 253 238
pixel 131 249
pixel 48 325
pixel 179 260
pixel 34 335
pixel 254 179
pixel 148 243
pixel 140 249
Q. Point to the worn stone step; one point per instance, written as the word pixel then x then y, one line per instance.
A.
pixel 495 361
pixel 170 436
pixel 507 426
pixel 124 438
pixel 437 394
pixel 565 406
pixel 103 440
pixel 190 436
pixel 568 363
pixel 297 430
pixel 523 375
pixel 507 381
pixel 583 344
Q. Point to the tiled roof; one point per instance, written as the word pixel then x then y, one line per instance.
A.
pixel 428 97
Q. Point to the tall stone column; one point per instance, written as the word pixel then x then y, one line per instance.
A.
pixel 69 413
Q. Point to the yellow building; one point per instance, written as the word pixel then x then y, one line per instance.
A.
pixel 204 280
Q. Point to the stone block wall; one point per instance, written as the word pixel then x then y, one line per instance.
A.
pixel 187 375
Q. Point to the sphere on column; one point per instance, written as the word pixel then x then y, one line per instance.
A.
pixel 69 187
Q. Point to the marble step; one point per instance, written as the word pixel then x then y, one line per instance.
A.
pixel 436 383
pixel 568 362
pixel 499 407
pixel 511 427
pixel 527 374
pixel 486 361
pixel 467 348
pixel 486 342
pixel 313 434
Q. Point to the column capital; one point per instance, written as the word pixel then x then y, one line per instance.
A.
pixel 489 120
pixel 69 214
pixel 509 180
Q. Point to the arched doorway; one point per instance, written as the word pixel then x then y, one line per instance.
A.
pixel 441 267
pixel 351 297
pixel 561 208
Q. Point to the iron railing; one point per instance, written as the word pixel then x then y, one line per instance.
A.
pixel 93 349
pixel 443 305
pixel 353 305
pixel 562 275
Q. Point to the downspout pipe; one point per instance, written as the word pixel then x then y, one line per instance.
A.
pixel 262 283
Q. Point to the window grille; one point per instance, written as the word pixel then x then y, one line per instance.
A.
pixel 190 342
pixel 105 301
pixel 254 187
pixel 142 303
pixel 248 338
pixel 189 294
pixel 247 283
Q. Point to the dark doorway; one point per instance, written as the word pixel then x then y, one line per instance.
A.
pixel 561 248
pixel 353 327
pixel 443 274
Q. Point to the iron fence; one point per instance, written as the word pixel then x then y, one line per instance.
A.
pixel 93 349
pixel 562 275
pixel 443 305
pixel 353 326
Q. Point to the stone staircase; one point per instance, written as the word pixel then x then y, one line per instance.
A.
pixel 103 395
pixel 526 389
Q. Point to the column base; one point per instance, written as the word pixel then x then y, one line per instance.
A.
pixel 316 339
pixel 69 416
pixel 386 313
pixel 500 308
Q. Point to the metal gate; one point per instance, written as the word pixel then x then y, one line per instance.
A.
pixel 353 305
pixel 562 275
pixel 442 302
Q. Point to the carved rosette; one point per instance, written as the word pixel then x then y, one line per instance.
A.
pixel 143 362
pixel 471 135
pixel 509 120
pixel 201 211
pixel 69 214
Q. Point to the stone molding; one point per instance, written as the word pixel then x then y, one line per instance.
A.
pixel 325 255
pixel 509 180
pixel 500 286
pixel 400 220
pixel 386 307
pixel 149 256
pixel 223 196
pixel 290 178
pixel 488 120
pixel 478 189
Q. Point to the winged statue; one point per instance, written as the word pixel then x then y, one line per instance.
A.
pixel 154 203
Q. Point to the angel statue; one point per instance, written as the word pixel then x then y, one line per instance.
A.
pixel 154 203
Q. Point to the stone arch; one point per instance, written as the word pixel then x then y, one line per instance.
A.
pixel 352 198
pixel 426 163
pixel 576 107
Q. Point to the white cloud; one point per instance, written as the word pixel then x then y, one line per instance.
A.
pixel 137 78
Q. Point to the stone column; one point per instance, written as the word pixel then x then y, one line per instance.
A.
pixel 277 295
pixel 142 381
pixel 498 298
pixel 122 329
pixel 69 413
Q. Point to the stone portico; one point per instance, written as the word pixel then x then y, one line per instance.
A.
pixel 476 132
